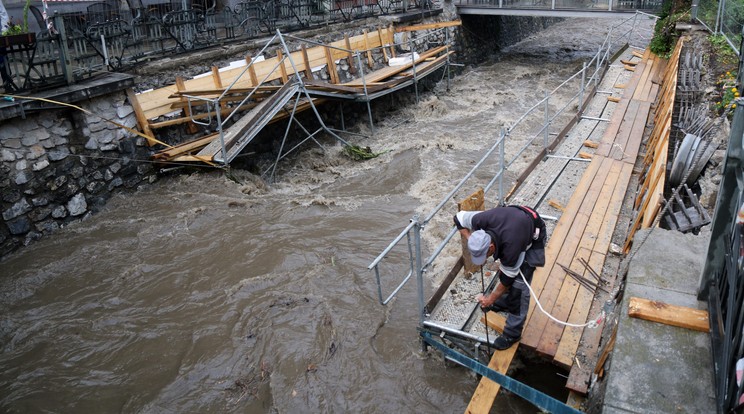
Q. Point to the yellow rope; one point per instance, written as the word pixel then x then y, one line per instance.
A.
pixel 134 131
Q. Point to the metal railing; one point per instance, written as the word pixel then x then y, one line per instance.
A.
pixel 722 282
pixel 585 81
pixel 722 17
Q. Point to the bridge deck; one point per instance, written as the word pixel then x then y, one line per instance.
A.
pixel 557 8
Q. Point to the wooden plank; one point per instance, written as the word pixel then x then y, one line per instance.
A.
pixel 474 202
pixel 139 114
pixel 349 55
pixel 635 138
pixel 566 298
pixel 382 46
pixel 576 216
pixel 590 144
pixel 618 150
pixel 331 66
pixel 561 230
pixel 569 342
pixel 370 61
pixel 444 287
pixel 613 99
pixel 608 138
pixel 306 62
pixel 637 54
pixel 181 149
pixel 428 26
pixel 186 111
pixel 495 321
pixel 486 392
pixel 251 71
pixel 389 71
pixel 282 68
pixel 680 316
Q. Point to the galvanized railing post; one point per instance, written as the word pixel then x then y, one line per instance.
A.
pixel 633 28
pixel 719 17
pixel 218 115
pixel 419 269
pixel 502 164
pixel 447 42
pixel 546 132
pixel 413 66
pixel 366 95
pixel 599 63
pixel 582 86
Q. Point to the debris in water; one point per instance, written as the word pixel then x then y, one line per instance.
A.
pixel 358 153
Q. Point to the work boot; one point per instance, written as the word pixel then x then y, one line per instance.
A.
pixel 504 342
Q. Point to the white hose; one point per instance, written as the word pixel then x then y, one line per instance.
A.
pixel 591 324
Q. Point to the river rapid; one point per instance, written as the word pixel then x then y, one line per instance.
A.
pixel 208 294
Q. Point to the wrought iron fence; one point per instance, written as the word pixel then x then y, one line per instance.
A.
pixel 104 38
pixel 722 284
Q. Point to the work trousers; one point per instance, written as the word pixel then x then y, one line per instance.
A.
pixel 516 302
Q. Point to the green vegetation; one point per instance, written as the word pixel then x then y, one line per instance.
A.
pixel 722 50
pixel 728 92
pixel 665 33
pixel 357 153
pixel 15 28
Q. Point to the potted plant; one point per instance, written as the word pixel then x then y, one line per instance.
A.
pixel 18 34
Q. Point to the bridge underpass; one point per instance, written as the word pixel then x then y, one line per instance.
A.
pixel 557 8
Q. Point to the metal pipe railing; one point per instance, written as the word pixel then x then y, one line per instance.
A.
pixel 596 65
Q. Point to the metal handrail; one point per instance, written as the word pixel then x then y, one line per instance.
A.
pixel 595 67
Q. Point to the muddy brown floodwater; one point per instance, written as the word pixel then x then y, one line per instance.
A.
pixel 204 294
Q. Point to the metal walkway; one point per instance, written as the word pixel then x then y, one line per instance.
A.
pixel 451 319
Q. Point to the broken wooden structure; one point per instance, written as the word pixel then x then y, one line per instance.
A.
pixel 266 90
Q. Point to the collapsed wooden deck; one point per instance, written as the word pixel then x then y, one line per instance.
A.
pixel 255 85
pixel 584 231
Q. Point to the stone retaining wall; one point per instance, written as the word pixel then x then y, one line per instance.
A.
pixel 61 165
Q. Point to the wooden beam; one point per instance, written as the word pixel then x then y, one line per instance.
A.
pixel 139 114
pixel 349 55
pixel 683 317
pixel 190 126
pixel 331 65
pixel 382 45
pixel 282 68
pixel 251 70
pixel 306 61
pixel 496 321
pixel 590 144
pixel 370 61
pixel 428 26
pixel 485 394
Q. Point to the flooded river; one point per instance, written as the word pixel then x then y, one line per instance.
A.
pixel 203 294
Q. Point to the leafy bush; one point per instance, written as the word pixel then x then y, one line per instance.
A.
pixel 665 33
